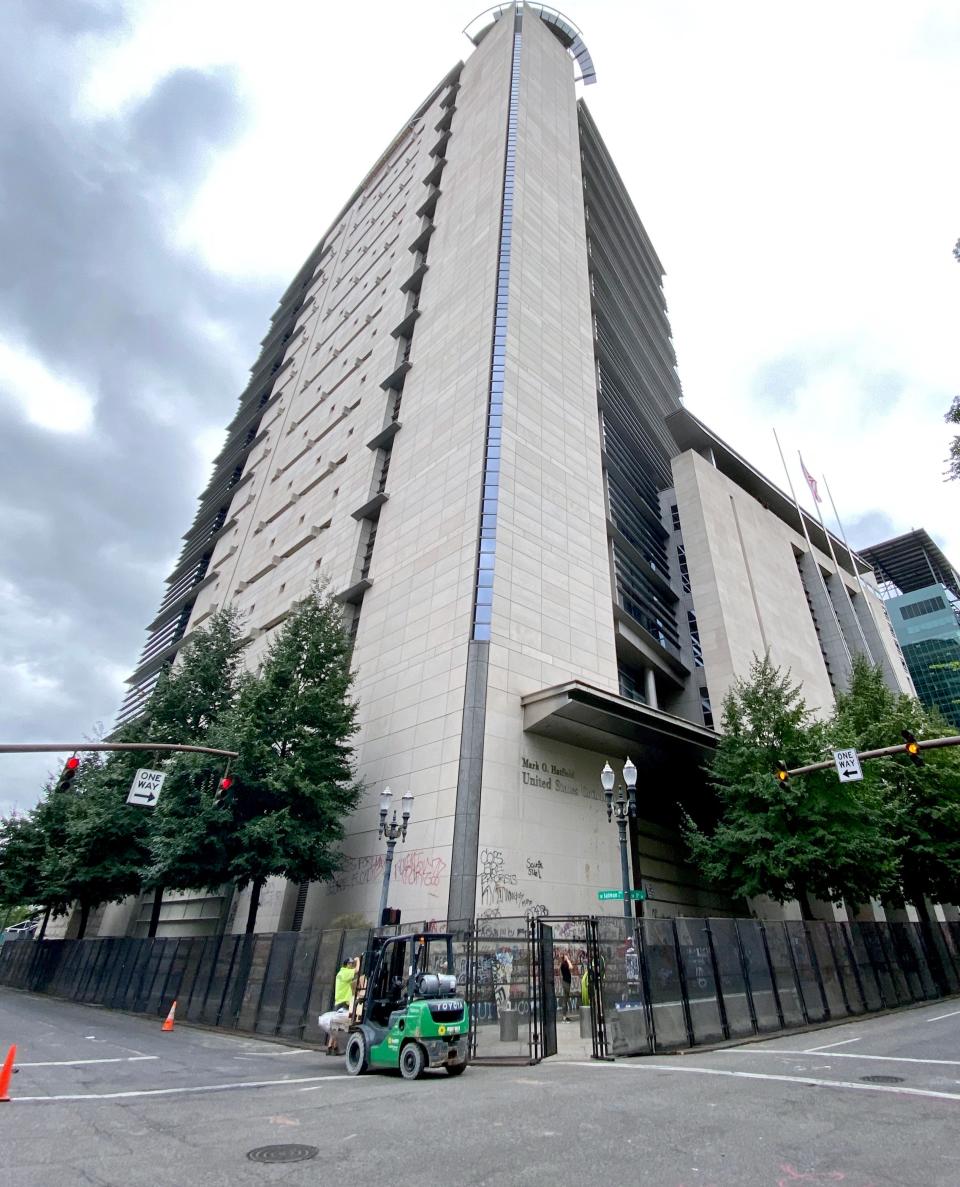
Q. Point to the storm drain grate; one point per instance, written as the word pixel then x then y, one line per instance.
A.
pixel 291 1152
pixel 882 1079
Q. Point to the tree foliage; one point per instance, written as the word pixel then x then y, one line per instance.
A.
pixel 923 800
pixel 807 837
pixel 953 457
pixel 292 722
pixel 292 725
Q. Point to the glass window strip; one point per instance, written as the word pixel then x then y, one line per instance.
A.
pixel 486 552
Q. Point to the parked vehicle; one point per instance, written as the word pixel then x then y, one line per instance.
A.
pixel 407 1013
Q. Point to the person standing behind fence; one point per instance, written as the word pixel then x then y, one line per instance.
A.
pixel 566 976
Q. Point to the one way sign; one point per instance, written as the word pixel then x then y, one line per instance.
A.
pixel 146 788
pixel 848 765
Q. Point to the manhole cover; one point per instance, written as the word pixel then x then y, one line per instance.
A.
pixel 882 1079
pixel 287 1153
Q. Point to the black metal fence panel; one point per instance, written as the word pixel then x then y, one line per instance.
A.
pixel 668 1007
pixel 705 1005
pixel 732 978
pixel 625 1001
pixel 664 984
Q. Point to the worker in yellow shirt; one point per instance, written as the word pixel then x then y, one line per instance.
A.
pixel 343 988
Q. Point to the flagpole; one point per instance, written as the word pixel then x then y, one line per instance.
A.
pixel 806 536
pixel 843 536
pixel 816 502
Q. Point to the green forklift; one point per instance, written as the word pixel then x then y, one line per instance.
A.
pixel 407 1013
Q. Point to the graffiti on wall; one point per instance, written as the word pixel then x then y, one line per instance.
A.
pixel 412 868
pixel 498 887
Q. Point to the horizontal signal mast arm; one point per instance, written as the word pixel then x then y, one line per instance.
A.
pixel 930 744
pixel 40 747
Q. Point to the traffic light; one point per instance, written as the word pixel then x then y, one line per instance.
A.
pixel 390 916
pixel 223 787
pixel 783 775
pixel 912 747
pixel 69 773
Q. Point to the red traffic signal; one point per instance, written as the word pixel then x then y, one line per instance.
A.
pixel 68 774
pixel 226 783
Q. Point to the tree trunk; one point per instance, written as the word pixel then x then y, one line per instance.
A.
pixel 806 909
pixel 155 912
pixel 255 887
pixel 923 911
pixel 43 925
pixel 228 893
pixel 84 916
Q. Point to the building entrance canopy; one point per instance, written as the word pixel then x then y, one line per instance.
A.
pixel 659 743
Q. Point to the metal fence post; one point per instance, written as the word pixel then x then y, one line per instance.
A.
pixel 815 965
pixel 682 981
pixel 745 973
pixel 716 981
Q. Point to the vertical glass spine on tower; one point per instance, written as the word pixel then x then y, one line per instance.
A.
pixel 483 594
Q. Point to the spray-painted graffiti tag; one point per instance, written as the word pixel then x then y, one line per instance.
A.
pixel 414 868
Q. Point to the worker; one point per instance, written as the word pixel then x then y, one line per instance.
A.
pixel 342 1001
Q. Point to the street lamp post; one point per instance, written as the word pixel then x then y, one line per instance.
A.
pixel 394 831
pixel 623 809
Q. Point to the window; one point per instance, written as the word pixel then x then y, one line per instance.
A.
pixel 705 708
pixel 927 606
pixel 684 574
pixel 695 638
pixel 675 516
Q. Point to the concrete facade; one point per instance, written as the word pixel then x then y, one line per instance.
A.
pixel 372 449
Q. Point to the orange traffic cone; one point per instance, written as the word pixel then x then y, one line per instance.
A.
pixel 168 1023
pixel 6 1072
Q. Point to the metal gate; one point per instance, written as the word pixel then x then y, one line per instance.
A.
pixel 544 1023
pixel 503 985
pixel 581 934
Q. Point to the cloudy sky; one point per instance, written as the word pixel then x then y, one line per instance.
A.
pixel 166 166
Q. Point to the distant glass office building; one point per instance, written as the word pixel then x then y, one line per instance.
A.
pixel 922 594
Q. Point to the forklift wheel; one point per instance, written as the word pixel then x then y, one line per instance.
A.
pixel 456 1069
pixel 356 1058
pixel 411 1061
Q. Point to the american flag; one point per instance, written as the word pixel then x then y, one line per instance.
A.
pixel 811 481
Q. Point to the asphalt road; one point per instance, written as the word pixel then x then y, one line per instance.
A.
pixel 108 1099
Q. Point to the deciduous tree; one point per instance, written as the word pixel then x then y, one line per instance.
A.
pixel 807 837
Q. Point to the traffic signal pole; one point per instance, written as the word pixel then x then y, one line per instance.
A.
pixel 901 748
pixel 74 747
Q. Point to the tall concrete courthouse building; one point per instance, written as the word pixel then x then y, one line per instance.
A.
pixel 466 418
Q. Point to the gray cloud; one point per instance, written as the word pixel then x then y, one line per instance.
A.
pixel 93 286
pixel 873 527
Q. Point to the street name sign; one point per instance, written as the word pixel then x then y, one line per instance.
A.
pixel 146 788
pixel 636 895
pixel 848 765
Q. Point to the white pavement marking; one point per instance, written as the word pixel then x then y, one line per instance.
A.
pixel 841 1055
pixel 173 1091
pixel 939 1017
pixel 77 1062
pixel 816 1083
pixel 258 1054
pixel 827 1046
